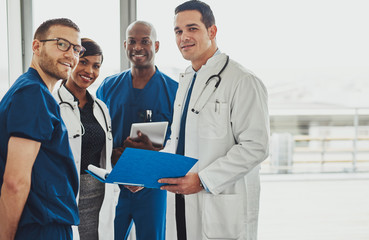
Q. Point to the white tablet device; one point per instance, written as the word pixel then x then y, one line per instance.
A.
pixel 156 131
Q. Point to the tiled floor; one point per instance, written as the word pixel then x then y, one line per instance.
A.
pixel 314 207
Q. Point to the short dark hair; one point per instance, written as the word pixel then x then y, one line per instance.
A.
pixel 92 48
pixel 207 14
pixel 43 29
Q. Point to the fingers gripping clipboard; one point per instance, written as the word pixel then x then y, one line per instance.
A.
pixel 140 167
pixel 156 131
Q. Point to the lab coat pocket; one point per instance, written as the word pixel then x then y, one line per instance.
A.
pixel 222 216
pixel 213 120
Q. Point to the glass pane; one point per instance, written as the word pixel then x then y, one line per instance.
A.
pixel 308 53
pixel 98 20
pixel 169 60
pixel 4 78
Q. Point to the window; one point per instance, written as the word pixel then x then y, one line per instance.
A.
pixel 98 20
pixel 4 78
pixel 169 60
pixel 308 53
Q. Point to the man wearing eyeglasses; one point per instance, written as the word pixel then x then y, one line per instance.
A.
pixel 38 177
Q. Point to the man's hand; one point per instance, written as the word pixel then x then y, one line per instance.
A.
pixel 188 184
pixel 115 155
pixel 133 189
pixel 142 141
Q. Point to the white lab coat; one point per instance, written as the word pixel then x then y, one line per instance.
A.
pixel 71 119
pixel 230 138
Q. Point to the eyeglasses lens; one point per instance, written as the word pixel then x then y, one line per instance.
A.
pixel 64 45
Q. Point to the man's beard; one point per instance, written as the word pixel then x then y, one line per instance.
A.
pixel 49 66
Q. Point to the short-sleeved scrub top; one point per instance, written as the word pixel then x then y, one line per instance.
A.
pixel 128 105
pixel 28 110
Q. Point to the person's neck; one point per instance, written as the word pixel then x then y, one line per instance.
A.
pixel 142 75
pixel 46 78
pixel 196 65
pixel 79 93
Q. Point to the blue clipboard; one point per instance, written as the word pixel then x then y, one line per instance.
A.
pixel 140 167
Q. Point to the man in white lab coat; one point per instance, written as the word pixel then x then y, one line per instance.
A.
pixel 226 129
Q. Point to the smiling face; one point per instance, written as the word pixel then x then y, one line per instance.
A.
pixel 53 62
pixel 195 42
pixel 141 46
pixel 86 72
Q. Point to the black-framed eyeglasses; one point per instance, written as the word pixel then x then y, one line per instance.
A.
pixel 64 45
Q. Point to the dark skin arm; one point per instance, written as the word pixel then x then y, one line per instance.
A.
pixel 117 152
pixel 142 141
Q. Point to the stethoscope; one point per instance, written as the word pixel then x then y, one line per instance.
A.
pixel 108 128
pixel 218 79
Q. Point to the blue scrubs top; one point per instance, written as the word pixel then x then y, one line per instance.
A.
pixel 28 110
pixel 128 105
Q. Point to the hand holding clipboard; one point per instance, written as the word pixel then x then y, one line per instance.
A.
pixel 138 167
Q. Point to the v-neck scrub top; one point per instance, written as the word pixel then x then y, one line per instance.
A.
pixel 127 105
pixel 28 110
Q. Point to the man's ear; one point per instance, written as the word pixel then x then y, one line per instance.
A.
pixel 36 47
pixel 157 44
pixel 212 31
pixel 125 44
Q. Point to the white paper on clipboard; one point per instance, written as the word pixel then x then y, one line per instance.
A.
pixel 156 131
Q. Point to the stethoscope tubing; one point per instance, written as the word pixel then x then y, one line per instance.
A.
pixel 108 128
pixel 215 76
pixel 218 75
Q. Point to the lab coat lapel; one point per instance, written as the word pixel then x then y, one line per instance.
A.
pixel 201 92
pixel 65 94
pixel 184 84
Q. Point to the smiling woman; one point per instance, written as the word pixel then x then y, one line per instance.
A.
pixel 88 123
pixel 86 72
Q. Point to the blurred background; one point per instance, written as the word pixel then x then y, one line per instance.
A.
pixel 313 57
